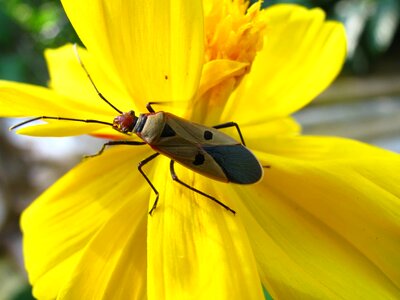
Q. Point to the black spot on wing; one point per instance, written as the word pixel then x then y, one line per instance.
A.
pixel 199 159
pixel 237 162
pixel 167 131
pixel 208 135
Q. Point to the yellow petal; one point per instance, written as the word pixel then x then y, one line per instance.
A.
pixel 60 129
pixel 216 71
pixel 61 222
pixel 21 100
pixel 155 47
pixel 220 72
pixel 69 78
pixel 300 57
pixel 262 136
pixel 115 259
pixel 196 248
pixel 318 148
pixel 327 210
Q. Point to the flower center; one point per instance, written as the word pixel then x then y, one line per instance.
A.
pixel 233 30
pixel 234 34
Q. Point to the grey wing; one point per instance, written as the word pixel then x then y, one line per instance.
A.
pixel 197 133
pixel 238 163
pixel 193 157
pixel 208 151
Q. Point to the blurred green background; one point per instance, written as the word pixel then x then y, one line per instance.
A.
pixel 26 29
pixel 364 103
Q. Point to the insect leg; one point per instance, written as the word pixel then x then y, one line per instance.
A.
pixel 151 109
pixel 112 143
pixel 175 178
pixel 141 164
pixel 231 124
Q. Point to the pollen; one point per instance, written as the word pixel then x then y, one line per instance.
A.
pixel 234 30
pixel 234 34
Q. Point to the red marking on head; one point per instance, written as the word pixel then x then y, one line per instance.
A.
pixel 125 122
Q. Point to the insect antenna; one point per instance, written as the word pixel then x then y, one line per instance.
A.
pixel 60 119
pixel 74 119
pixel 92 82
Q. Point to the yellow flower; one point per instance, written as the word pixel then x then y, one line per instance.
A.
pixel 322 224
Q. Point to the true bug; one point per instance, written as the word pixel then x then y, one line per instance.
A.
pixel 202 149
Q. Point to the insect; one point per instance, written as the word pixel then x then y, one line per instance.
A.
pixel 203 149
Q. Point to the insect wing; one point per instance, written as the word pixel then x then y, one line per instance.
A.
pixel 197 133
pixel 208 151
pixel 191 156
pixel 237 162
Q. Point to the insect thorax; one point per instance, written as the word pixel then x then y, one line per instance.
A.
pixel 150 126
